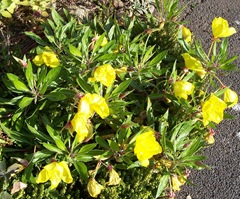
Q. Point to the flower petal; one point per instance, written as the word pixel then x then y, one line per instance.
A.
pixel 66 174
pixel 42 176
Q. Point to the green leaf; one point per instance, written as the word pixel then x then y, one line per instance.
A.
pixel 147 55
pixel 149 111
pixel 29 75
pixel 193 158
pixel 25 101
pixel 51 76
pixel 55 96
pixel 74 51
pixel 82 170
pixel 101 142
pixel 120 88
pixel 88 147
pixel 40 135
pixel 194 146
pixel 52 148
pixel 20 137
pixel 113 145
pixel 36 38
pixel 60 94
pixel 17 83
pixel 84 85
pixel 98 43
pixel 181 133
pixel 28 172
pixel 107 57
pixel 54 134
pixel 41 155
pixel 163 183
pixel 58 20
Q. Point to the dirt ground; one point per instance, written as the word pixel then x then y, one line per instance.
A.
pixel 223 180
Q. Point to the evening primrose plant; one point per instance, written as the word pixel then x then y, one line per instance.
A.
pixel 101 109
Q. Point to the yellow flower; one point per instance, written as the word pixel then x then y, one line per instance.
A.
pixel 94 188
pixel 104 74
pixel 93 102
pixel 187 35
pixel 146 146
pixel 212 110
pixel 230 97
pixel 193 64
pixel 55 172
pixel 114 178
pixel 182 89
pixel 82 127
pixel 176 182
pixel 220 28
pixel 47 57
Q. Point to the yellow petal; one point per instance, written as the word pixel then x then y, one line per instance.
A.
pixel 55 179
pixel 220 28
pixel 213 109
pixel 84 105
pixel 182 89
pixel 105 74
pixel 81 126
pixel 193 64
pixel 94 188
pixel 187 35
pixel 230 97
pixel 146 146
pixel 99 105
pixel 50 59
pixel 38 60
pixel 66 174
pixel 42 176
pixel 144 163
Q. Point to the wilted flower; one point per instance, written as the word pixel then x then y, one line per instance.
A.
pixel 47 57
pixel 230 97
pixel 55 172
pixel 187 35
pixel 193 64
pixel 146 146
pixel 114 178
pixel 177 182
pixel 209 138
pixel 82 127
pixel 104 74
pixel 120 71
pixel 93 102
pixel 220 28
pixel 182 89
pixel 212 110
pixel 94 188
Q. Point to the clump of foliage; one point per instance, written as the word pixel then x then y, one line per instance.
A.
pixel 101 108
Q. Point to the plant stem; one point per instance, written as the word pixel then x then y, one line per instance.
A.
pixel 210 49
